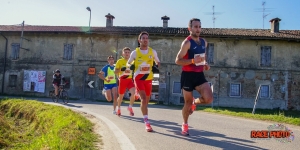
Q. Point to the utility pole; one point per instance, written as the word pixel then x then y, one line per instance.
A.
pixel 213 15
pixel 264 11
pixel 264 15
pixel 213 18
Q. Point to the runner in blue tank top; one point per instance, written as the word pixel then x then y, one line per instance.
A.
pixel 107 74
pixel 191 57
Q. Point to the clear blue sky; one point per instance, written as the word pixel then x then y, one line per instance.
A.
pixel 233 13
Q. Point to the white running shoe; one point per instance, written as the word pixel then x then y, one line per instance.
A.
pixel 114 112
pixel 103 92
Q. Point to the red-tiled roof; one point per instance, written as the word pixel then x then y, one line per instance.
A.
pixel 171 31
pixel 29 28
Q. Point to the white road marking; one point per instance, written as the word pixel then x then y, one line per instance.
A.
pixel 123 140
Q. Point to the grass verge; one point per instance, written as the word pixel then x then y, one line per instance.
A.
pixel 32 96
pixel 280 116
pixel 29 124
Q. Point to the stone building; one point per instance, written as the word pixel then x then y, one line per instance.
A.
pixel 242 60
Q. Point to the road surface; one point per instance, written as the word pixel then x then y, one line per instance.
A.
pixel 207 131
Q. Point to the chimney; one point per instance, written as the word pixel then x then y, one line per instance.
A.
pixel 275 25
pixel 109 20
pixel 165 21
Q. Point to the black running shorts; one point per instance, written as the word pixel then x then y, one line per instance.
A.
pixel 189 80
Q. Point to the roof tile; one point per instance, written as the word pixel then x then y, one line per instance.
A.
pixel 212 32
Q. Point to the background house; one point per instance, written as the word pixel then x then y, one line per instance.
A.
pixel 242 60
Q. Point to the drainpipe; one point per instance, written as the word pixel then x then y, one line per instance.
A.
pixel 4 68
pixel 286 96
pixel 219 88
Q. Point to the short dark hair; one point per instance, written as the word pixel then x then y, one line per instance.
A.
pixel 125 48
pixel 110 57
pixel 191 21
pixel 142 33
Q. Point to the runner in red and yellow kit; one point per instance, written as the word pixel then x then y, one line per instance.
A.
pixel 143 61
pixel 125 81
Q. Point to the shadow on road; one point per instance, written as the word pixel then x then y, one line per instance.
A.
pixel 198 136
pixel 72 105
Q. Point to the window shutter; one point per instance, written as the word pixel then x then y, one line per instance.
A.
pixel 65 51
pixel 210 57
pixel 15 48
pixel 70 51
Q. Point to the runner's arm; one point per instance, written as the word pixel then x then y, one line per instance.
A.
pixel 156 59
pixel 117 68
pixel 182 52
pixel 131 58
pixel 101 74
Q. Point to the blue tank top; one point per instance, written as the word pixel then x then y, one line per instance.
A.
pixel 194 49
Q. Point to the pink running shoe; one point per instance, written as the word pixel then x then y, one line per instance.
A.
pixel 136 96
pixel 119 112
pixel 193 106
pixel 148 127
pixel 185 129
pixel 130 111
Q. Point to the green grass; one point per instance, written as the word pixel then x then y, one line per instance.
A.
pixel 33 96
pixel 28 124
pixel 280 116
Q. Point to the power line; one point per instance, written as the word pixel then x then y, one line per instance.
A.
pixel 202 8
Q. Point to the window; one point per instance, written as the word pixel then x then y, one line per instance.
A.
pixel 210 53
pixel 176 88
pixel 68 50
pixel 13 80
pixel 15 49
pixel 265 56
pixel 264 91
pixel 235 89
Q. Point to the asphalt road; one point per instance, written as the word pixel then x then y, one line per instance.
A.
pixel 207 131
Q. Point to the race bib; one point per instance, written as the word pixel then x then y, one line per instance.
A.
pixel 111 77
pixel 201 56
pixel 145 69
